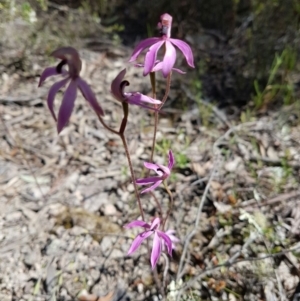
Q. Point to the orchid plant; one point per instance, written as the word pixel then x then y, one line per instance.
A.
pixel 164 240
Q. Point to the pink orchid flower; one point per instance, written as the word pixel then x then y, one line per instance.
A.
pixel 160 239
pixel 134 98
pixel 156 43
pixel 70 57
pixel 162 171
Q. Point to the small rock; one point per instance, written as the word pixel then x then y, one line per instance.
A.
pixel 106 244
pixel 109 209
pixel 233 165
pixel 130 188
pixel 272 153
pixel 116 254
pixel 14 216
pixel 140 287
pixel 199 169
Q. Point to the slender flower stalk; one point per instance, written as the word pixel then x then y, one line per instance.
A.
pixel 156 114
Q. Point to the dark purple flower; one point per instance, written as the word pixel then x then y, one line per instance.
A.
pixel 154 44
pixel 162 171
pixel 134 98
pixel 70 57
pixel 160 239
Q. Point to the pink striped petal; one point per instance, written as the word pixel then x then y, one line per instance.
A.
pixel 51 95
pixel 145 181
pixel 150 57
pixel 151 166
pixel 67 106
pixel 169 59
pixel 186 51
pixel 141 46
pixel 155 223
pixel 178 71
pixel 171 160
pixel 156 250
pixel 174 239
pixel 137 223
pixel 167 240
pixel 138 240
pixel 89 95
pixel 137 98
pixel 163 170
pixel 152 187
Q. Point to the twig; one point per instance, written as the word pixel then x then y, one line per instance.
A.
pixel 216 158
pixel 227 264
pixel 280 198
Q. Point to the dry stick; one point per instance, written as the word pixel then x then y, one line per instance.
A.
pixel 156 114
pixel 201 204
pixel 229 264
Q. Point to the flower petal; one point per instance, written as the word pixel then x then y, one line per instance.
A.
pixel 186 51
pixel 151 166
pixel 51 95
pixel 150 57
pixel 169 59
pixel 155 223
pixel 145 181
pixel 151 187
pixel 171 160
pixel 141 46
pixel 137 98
pixel 156 250
pixel 67 106
pixel 50 71
pixel 138 240
pixel 178 71
pixel 174 239
pixel 167 241
pixel 137 223
pixel 163 170
pixel 89 95
pixel 116 85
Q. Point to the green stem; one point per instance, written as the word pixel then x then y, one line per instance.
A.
pixel 106 126
pixel 156 112
pixel 122 136
pixel 157 204
pixel 170 205
pixel 120 133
